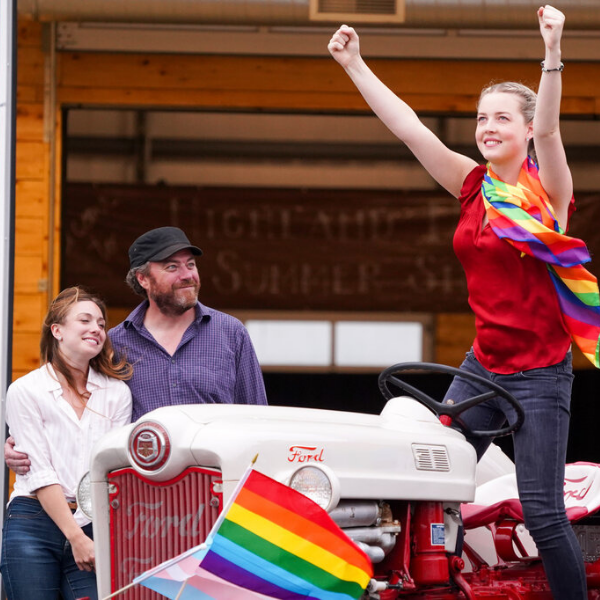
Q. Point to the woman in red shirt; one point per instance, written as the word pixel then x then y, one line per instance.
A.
pixel 522 342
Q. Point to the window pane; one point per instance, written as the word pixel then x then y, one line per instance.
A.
pixel 377 344
pixel 294 343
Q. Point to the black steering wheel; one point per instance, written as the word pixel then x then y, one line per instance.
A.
pixel 388 377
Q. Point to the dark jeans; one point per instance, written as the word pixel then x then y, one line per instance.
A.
pixel 540 453
pixel 37 561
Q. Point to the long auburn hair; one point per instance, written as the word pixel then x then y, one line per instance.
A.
pixel 105 362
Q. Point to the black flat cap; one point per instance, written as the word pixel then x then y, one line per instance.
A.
pixel 158 244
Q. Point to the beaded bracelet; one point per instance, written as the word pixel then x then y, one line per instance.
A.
pixel 544 70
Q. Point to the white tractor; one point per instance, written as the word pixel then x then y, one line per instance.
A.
pixel 399 484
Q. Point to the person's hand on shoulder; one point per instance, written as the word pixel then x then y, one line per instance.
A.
pixel 551 25
pixel 344 45
pixel 15 461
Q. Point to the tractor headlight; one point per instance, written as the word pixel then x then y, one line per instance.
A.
pixel 84 495
pixel 317 484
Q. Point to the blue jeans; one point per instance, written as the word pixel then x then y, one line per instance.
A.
pixel 540 448
pixel 37 561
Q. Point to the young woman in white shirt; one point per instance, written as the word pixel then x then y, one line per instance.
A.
pixel 56 414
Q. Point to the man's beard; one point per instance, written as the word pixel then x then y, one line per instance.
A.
pixel 173 303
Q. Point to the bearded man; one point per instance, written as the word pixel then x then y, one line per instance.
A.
pixel 182 352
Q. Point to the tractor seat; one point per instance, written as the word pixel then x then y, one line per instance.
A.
pixel 497 508
pixel 499 499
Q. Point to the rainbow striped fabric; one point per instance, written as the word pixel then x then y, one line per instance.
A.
pixel 277 542
pixel 523 216
pixel 271 542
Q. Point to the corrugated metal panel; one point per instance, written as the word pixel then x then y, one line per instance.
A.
pixel 152 522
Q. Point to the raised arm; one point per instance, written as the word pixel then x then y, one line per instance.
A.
pixel 447 167
pixel 555 174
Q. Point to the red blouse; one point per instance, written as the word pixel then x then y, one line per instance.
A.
pixel 517 317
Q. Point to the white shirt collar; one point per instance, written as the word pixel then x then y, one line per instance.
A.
pixel 53 385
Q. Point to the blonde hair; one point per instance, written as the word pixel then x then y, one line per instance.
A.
pixel 105 362
pixel 528 102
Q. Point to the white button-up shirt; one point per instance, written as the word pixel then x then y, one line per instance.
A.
pixel 46 427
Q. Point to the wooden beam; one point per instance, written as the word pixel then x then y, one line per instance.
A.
pixel 33 176
pixel 291 83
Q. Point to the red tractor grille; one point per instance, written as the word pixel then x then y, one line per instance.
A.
pixel 151 522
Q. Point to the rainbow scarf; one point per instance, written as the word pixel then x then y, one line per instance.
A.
pixel 523 216
pixel 275 541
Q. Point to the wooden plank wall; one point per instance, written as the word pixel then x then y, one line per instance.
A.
pixel 31 210
pixel 32 184
pixel 223 82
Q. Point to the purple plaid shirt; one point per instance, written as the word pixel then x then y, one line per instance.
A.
pixel 214 363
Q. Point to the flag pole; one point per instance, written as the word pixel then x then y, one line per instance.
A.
pixel 181 589
pixel 123 589
pixel 130 585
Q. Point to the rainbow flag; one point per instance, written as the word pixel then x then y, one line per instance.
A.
pixel 523 216
pixel 270 542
